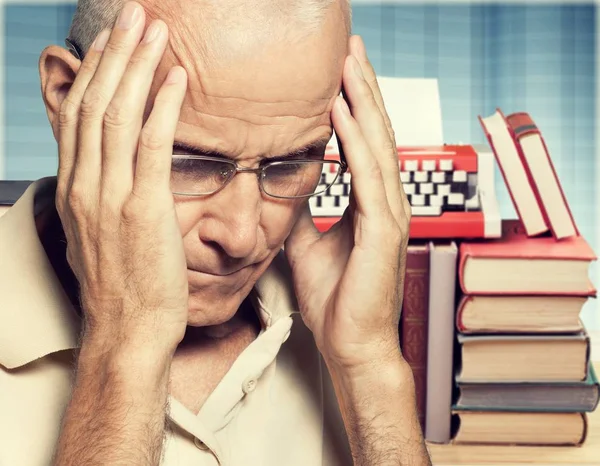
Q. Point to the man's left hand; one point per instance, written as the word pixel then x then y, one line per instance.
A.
pixel 349 280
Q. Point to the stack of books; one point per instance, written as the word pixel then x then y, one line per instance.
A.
pixel 491 328
pixel 523 374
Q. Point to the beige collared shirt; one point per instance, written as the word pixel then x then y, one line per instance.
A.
pixel 275 406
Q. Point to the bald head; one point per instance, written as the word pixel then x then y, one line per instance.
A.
pixel 259 19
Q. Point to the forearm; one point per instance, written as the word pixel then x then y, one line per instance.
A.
pixel 379 411
pixel 117 411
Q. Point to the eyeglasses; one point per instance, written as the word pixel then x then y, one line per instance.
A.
pixel 196 175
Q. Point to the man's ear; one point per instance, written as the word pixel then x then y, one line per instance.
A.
pixel 58 68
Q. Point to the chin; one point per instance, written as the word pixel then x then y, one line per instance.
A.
pixel 215 300
pixel 206 308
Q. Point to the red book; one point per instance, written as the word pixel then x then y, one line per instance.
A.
pixel 414 322
pixel 542 175
pixel 518 265
pixel 506 150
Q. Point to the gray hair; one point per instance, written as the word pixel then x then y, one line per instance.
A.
pixel 93 16
pixel 90 18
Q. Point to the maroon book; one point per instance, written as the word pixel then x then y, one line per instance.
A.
pixel 413 321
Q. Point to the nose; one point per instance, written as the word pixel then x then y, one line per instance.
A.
pixel 238 209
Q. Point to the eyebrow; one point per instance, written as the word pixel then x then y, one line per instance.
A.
pixel 317 144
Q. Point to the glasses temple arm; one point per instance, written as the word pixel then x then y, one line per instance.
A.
pixel 74 48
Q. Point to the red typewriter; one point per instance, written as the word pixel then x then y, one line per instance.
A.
pixel 450 189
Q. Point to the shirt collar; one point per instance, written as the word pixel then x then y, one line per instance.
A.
pixel 36 315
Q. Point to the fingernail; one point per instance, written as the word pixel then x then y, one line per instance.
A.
pixel 362 51
pixel 101 40
pixel 357 69
pixel 175 75
pixel 152 32
pixel 129 16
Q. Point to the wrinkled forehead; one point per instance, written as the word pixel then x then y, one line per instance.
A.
pixel 247 88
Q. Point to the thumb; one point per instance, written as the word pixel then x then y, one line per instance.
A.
pixel 304 233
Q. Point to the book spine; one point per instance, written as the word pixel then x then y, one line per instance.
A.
pixel 536 192
pixel 521 124
pixel 440 342
pixel 414 326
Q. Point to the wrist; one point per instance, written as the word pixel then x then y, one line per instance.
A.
pixel 109 324
pixel 124 358
pixel 380 398
pixel 137 335
pixel 368 357
pixel 389 369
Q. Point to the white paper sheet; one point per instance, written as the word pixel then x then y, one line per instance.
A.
pixel 414 108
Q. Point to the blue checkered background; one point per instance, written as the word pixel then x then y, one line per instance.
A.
pixel 534 58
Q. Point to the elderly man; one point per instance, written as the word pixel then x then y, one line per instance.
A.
pixel 148 313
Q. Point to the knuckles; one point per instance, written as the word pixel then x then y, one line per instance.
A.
pixel 133 211
pixel 92 103
pixel 117 47
pixel 396 234
pixel 138 59
pixel 76 200
pixel 151 139
pixel 71 259
pixel 390 231
pixel 88 67
pixel 68 113
pixel 60 204
pixel 130 211
pixel 117 116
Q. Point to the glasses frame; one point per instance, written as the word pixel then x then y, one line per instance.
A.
pixel 260 173
pixel 74 48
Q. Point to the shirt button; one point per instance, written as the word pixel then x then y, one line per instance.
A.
pixel 200 444
pixel 249 385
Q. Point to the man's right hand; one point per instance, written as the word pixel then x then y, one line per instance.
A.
pixel 113 194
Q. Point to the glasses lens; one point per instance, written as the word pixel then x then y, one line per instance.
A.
pixel 196 176
pixel 301 178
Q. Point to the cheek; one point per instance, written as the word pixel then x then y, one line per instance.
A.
pixel 278 217
pixel 189 210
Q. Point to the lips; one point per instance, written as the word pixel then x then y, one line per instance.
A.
pixel 219 273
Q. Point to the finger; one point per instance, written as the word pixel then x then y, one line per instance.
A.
pixel 153 166
pixel 123 41
pixel 124 115
pixel 368 115
pixel 357 49
pixel 69 114
pixel 366 181
pixel 304 232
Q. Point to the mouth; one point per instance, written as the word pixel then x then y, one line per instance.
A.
pixel 226 273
